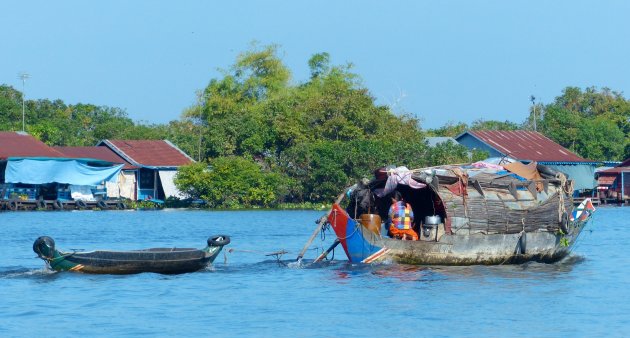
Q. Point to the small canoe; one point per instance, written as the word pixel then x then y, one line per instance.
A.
pixel 157 260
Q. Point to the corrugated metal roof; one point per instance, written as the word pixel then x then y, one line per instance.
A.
pixel 149 153
pixel 606 179
pixel 16 144
pixel 99 153
pixel 615 170
pixel 526 145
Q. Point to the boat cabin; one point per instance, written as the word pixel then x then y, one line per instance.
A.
pixel 478 198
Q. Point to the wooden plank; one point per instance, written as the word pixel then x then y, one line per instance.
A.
pixel 512 189
pixel 477 187
pixel 532 188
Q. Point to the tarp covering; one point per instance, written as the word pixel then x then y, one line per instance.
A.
pixel 400 175
pixel 112 189
pixel 167 177
pixel 582 174
pixel 528 171
pixel 70 171
pixel 81 192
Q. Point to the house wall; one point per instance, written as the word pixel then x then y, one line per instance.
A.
pixel 583 174
pixel 472 143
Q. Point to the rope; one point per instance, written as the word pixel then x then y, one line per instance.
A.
pixel 353 232
pixel 564 189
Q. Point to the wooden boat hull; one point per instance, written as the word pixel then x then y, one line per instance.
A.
pixel 156 260
pixel 363 245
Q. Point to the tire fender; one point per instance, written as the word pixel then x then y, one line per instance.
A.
pixel 219 240
pixel 57 204
pixel 564 223
pixel 13 205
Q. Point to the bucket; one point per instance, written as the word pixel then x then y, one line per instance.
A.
pixel 372 222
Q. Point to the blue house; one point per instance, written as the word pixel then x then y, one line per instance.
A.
pixel 527 146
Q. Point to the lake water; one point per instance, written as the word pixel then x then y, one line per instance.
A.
pixel 248 294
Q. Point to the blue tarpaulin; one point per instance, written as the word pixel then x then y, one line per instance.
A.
pixel 583 174
pixel 50 170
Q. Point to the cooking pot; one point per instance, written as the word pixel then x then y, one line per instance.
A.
pixel 432 220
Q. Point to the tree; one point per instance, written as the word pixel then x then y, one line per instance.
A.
pixel 481 124
pixel 10 108
pixel 231 182
pixel 450 129
pixel 593 123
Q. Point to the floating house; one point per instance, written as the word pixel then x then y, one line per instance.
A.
pixel 153 164
pixel 125 186
pixel 527 146
pixel 613 184
pixel 30 170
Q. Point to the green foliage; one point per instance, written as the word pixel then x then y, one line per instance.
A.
pixel 323 168
pixel 450 129
pixel 59 124
pixel 481 124
pixel 593 123
pixel 231 182
pixel 452 153
pixel 10 108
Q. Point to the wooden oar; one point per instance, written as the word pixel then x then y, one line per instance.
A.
pixel 320 224
pixel 325 253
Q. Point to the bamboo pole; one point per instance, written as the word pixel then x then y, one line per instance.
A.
pixel 320 224
pixel 325 253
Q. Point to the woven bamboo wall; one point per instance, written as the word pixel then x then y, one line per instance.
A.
pixel 499 212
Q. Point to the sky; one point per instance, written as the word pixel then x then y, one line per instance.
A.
pixel 439 61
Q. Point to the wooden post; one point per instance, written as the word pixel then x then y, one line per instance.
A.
pixel 155 184
pixel 623 186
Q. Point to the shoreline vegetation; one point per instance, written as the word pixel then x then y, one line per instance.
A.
pixel 263 140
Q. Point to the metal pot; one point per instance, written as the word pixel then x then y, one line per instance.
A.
pixel 432 220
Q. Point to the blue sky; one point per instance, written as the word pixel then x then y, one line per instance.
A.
pixel 438 60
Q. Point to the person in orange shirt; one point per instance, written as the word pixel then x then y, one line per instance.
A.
pixel 401 219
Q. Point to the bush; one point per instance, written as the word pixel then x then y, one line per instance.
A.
pixel 232 182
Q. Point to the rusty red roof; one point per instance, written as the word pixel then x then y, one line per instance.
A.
pixel 615 170
pixel 149 153
pixel 16 144
pixel 606 179
pixel 99 153
pixel 526 145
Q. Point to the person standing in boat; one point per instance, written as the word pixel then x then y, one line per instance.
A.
pixel 401 219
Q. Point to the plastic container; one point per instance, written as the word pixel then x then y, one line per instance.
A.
pixel 372 222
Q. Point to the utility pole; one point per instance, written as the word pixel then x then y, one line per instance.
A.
pixel 23 76
pixel 533 99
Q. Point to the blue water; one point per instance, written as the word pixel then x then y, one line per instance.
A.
pixel 248 294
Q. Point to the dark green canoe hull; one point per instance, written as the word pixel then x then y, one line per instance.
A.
pixel 156 260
